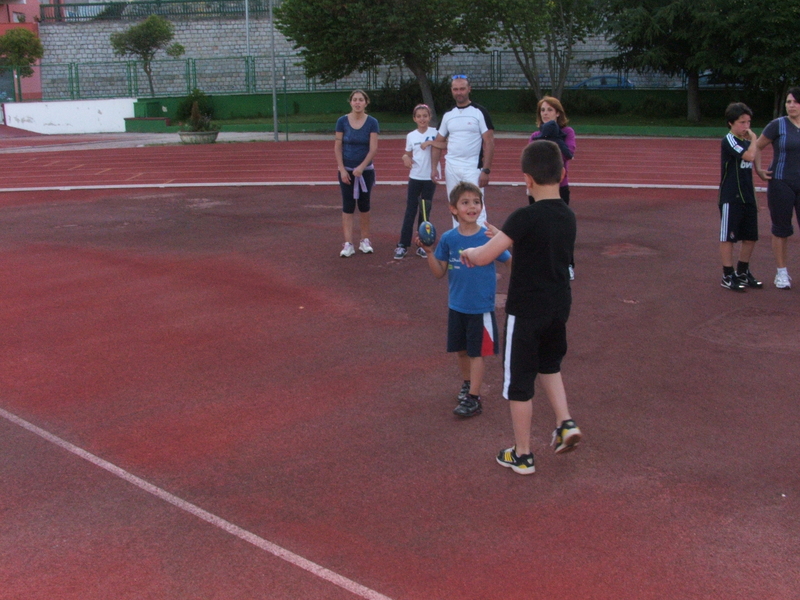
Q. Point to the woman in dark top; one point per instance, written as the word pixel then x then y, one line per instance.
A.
pixel 355 147
pixel 783 189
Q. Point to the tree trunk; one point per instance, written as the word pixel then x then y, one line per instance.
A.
pixel 781 90
pixel 149 72
pixel 693 97
pixel 424 85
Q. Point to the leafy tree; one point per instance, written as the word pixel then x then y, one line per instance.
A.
pixel 338 37
pixel 19 51
pixel 532 28
pixel 144 41
pixel 664 36
pixel 756 46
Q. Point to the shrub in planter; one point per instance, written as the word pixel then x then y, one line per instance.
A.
pixel 198 121
pixel 204 105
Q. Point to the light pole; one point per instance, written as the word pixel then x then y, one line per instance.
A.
pixel 274 83
pixel 247 26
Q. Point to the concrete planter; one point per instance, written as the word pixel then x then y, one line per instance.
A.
pixel 198 137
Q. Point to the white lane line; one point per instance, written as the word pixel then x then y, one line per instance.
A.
pixel 139 186
pixel 243 534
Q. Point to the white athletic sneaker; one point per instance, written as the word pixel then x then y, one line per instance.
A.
pixel 365 247
pixel 783 281
pixel 347 250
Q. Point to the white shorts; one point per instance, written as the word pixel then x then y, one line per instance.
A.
pixel 453 175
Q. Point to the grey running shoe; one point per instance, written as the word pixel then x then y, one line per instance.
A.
pixel 469 406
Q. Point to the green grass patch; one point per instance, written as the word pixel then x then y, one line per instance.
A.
pixel 504 122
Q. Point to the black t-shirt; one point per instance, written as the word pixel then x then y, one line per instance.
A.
pixel 736 182
pixel 544 238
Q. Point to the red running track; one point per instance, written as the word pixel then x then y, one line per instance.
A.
pixel 599 161
pixel 212 343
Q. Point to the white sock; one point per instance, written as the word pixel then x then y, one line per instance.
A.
pixel 783 271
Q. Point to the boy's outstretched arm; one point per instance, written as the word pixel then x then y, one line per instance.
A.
pixel 483 255
pixel 437 267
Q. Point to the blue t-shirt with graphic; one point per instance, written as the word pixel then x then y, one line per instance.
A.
pixel 472 289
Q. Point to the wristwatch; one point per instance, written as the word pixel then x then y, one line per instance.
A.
pixel 487 171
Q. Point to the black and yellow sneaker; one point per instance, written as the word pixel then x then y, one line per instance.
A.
pixel 519 464
pixel 566 437
pixel 747 280
pixel 469 406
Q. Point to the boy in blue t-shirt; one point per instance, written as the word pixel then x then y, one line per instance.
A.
pixel 471 327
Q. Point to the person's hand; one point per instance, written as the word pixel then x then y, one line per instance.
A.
pixel 418 243
pixel 764 175
pixel 345 175
pixel 491 230
pixel 435 175
pixel 483 180
pixel 407 161
pixel 466 258
pixel 358 172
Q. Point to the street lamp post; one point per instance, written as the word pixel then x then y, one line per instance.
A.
pixel 274 83
pixel 247 26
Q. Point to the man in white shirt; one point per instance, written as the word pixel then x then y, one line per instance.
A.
pixel 469 133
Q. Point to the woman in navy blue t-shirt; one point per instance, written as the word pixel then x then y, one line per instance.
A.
pixel 783 189
pixel 355 147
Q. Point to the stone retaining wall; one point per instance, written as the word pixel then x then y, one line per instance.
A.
pixel 80 63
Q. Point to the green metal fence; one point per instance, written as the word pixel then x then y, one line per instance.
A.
pixel 183 9
pixel 253 75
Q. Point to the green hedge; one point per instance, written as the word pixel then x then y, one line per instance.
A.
pixel 647 103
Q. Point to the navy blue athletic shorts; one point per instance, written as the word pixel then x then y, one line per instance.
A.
pixel 477 334
pixel 738 222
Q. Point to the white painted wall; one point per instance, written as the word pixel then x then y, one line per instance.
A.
pixel 70 116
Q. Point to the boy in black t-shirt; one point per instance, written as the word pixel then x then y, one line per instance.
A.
pixel 737 199
pixel 538 304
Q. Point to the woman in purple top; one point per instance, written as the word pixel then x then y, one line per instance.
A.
pixel 552 122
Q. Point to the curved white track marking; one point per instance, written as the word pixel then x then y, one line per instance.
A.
pixel 290 557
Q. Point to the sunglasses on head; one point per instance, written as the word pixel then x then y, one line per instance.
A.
pixel 459 77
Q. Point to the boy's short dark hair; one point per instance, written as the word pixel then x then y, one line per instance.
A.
pixel 542 160
pixel 461 188
pixel 736 110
